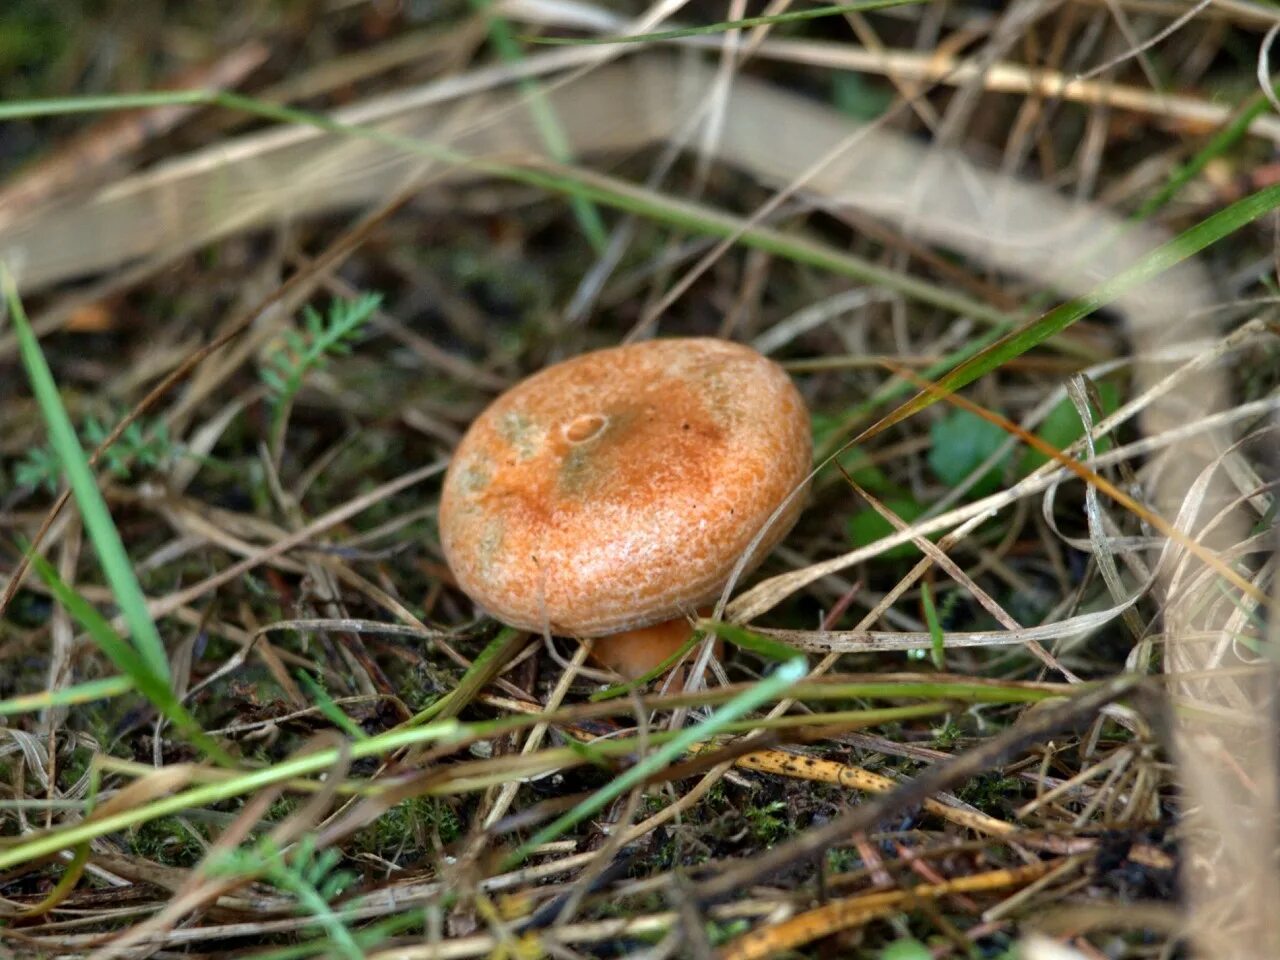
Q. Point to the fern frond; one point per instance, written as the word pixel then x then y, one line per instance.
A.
pixel 285 370
pixel 144 445
pixel 307 874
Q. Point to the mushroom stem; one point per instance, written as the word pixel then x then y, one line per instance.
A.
pixel 633 653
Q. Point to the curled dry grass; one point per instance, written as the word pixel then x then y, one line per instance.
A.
pixel 1072 748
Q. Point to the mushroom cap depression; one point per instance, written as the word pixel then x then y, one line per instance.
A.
pixel 619 488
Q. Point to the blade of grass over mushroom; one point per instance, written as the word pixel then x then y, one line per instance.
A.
pixel 478 774
pixel 770 687
pixel 1209 557
pixel 1036 332
pixel 506 644
pixel 813 13
pixel 941 694
pixel 739 636
pixel 73 695
pixel 948 687
pixel 222 785
pixel 621 689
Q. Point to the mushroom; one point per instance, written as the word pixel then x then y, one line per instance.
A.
pixel 610 495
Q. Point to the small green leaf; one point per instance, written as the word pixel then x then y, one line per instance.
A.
pixel 908 949
pixel 938 646
pixel 867 526
pixel 961 442
pixel 1062 427
pixel 855 96
pixel 272 379
pixel 749 640
pixel 40 468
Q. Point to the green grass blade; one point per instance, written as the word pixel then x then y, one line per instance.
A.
pixel 66 696
pixel 331 711
pixel 240 783
pixel 58 106
pixel 483 669
pixel 155 688
pixel 1218 144
pixel 544 118
pixel 1187 244
pixel 621 689
pixel 93 508
pixel 145 663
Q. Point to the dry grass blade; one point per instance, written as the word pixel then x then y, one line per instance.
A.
pixel 937 66
pixel 1190 544
pixel 853 911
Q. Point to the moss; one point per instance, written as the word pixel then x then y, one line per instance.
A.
pixel 769 822
pixel 843 860
pixel 721 932
pixel 991 792
pixel 409 829
pixel 167 841
pixel 949 735
pixel 34 39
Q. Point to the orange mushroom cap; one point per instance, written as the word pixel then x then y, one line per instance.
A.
pixel 618 489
